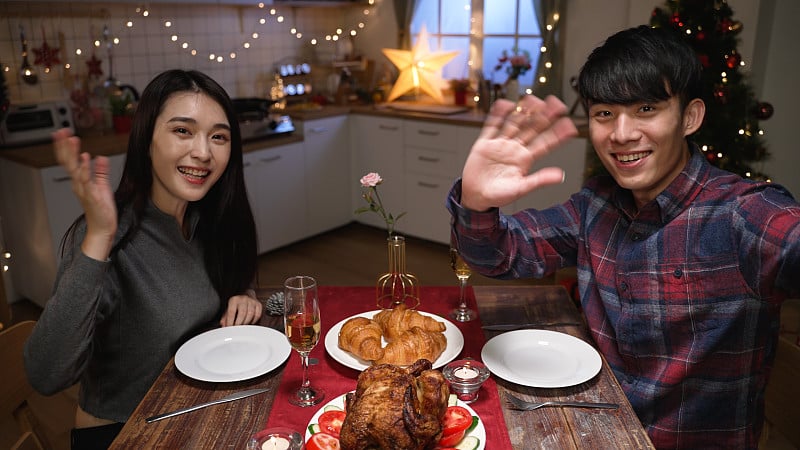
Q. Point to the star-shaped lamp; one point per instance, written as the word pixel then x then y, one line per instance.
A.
pixel 419 68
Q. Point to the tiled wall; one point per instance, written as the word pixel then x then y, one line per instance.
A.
pixel 146 48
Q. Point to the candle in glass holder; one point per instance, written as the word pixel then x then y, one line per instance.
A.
pixel 465 377
pixel 276 439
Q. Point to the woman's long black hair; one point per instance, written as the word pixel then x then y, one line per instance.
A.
pixel 226 228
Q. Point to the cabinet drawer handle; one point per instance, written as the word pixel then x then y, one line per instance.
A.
pixel 61 179
pixel 247 164
pixel 387 127
pixel 318 130
pixel 428 133
pixel 427 185
pixel 428 159
pixel 271 159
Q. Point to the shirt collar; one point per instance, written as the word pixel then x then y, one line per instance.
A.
pixel 673 200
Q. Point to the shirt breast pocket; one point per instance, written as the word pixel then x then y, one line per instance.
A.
pixel 688 310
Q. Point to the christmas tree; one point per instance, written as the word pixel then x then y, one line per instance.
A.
pixel 730 135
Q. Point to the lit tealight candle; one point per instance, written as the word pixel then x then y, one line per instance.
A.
pixel 466 373
pixel 275 443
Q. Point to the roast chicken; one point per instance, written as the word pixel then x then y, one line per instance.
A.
pixel 395 408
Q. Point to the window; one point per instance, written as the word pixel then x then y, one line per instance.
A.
pixel 480 30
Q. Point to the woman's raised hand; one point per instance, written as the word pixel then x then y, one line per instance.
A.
pixel 513 138
pixel 92 187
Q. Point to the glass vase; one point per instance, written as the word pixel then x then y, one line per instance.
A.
pixel 397 286
pixel 512 89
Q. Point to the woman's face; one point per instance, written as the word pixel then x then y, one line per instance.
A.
pixel 190 150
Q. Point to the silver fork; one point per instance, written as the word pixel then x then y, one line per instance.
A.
pixel 522 405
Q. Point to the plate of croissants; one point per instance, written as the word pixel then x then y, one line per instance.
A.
pixel 398 336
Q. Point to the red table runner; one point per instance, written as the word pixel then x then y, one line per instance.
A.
pixel 338 303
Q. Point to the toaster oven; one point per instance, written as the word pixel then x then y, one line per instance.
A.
pixel 34 123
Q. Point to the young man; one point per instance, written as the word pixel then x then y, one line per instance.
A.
pixel 682 267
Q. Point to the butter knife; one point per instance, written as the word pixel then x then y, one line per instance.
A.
pixel 520 326
pixel 228 398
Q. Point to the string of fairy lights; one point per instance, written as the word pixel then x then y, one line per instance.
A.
pixel 271 14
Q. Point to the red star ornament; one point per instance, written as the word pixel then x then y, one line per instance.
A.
pixel 93 64
pixel 45 55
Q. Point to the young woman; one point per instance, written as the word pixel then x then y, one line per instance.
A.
pixel 170 253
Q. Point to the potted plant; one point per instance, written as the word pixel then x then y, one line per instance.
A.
pixel 121 111
pixel 460 87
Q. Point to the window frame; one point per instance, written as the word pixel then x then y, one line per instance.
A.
pixel 475 56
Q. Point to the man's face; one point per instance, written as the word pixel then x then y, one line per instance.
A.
pixel 643 145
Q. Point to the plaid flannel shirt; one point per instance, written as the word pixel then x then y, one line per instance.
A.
pixel 682 297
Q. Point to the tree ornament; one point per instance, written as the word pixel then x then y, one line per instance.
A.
pixel 93 64
pixel 45 55
pixel 733 60
pixel 721 94
pixel 700 36
pixel 704 60
pixel 711 156
pixel 764 110
pixel 724 26
pixel 676 20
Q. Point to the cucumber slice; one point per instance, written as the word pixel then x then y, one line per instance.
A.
pixel 472 426
pixel 468 443
pixel 331 408
pixel 452 400
pixel 314 428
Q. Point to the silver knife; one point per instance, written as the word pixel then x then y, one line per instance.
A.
pixel 229 398
pixel 519 326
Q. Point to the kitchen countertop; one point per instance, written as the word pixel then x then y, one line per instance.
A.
pixel 41 155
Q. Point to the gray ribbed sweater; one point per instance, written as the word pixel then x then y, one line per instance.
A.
pixel 114 325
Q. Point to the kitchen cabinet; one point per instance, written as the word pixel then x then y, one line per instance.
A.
pixel 419 160
pixel 37 207
pixel 275 182
pixel 434 156
pixel 378 147
pixel 329 183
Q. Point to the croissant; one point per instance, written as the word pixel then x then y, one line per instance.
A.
pixel 361 337
pixel 395 321
pixel 412 345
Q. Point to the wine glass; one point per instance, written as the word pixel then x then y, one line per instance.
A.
pixel 301 320
pixel 463 272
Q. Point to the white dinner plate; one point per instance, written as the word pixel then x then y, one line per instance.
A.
pixel 541 358
pixel 455 342
pixel 232 353
pixel 479 431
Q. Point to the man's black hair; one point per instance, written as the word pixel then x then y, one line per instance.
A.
pixel 641 64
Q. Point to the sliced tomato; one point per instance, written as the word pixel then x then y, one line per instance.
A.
pixel 331 422
pixel 449 440
pixel 322 441
pixel 456 418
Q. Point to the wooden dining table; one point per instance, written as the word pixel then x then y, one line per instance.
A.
pixel 230 425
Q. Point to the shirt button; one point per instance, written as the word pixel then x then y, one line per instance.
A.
pixel 677 273
pixel 623 286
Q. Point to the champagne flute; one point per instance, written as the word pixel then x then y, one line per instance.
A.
pixel 302 323
pixel 463 272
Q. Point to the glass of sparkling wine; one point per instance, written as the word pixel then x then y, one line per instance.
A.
pixel 463 272
pixel 302 322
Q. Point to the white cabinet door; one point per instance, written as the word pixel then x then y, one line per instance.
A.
pixel 62 205
pixel 329 184
pixel 378 147
pixel 275 183
pixel 434 159
pixel 37 207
